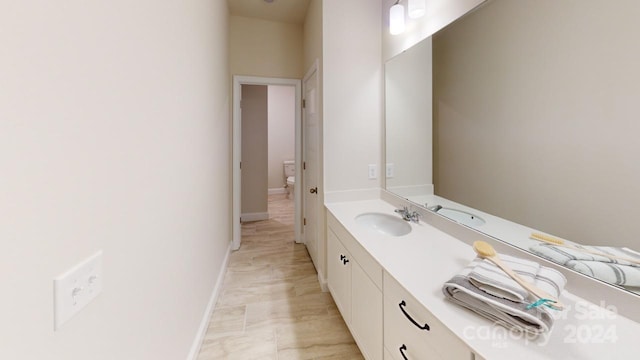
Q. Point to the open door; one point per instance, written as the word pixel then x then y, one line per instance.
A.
pixel 238 81
pixel 311 164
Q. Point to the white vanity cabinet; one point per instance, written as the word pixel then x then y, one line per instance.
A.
pixel 355 281
pixel 391 287
pixel 412 332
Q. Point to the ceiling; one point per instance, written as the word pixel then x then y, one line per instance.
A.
pixel 288 11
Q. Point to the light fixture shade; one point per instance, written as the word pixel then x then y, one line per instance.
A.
pixel 417 8
pixel 396 19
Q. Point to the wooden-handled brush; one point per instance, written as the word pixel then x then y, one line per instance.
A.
pixel 559 242
pixel 486 251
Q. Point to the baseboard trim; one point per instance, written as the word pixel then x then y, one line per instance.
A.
pixel 274 191
pixel 323 283
pixel 204 323
pixel 254 216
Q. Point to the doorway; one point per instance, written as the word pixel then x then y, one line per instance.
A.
pixel 238 83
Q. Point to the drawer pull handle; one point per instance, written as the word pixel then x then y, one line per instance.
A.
pixel 402 305
pixel 403 348
pixel 342 257
pixel 345 261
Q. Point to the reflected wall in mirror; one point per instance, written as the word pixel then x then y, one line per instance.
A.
pixel 535 119
pixel 408 113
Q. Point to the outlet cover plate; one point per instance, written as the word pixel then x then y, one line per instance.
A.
pixel 390 170
pixel 76 287
pixel 373 171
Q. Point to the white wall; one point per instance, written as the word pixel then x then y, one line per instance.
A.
pixel 408 115
pixel 352 91
pixel 281 131
pixel 114 135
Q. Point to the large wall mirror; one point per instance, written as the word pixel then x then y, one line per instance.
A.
pixel 524 117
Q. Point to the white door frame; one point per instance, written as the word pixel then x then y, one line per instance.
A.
pixel 238 81
pixel 313 71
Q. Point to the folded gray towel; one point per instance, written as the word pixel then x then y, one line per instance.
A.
pixel 489 278
pixel 617 272
pixel 485 289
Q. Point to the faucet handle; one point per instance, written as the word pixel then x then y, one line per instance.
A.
pixel 404 210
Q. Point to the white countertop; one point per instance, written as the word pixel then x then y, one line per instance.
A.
pixel 426 258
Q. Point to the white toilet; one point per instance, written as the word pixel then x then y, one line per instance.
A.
pixel 290 176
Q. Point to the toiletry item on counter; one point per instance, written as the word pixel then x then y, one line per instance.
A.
pixel 487 290
pixel 614 271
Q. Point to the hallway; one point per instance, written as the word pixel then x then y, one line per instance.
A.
pixel 271 305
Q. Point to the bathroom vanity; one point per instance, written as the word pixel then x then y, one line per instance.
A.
pixel 389 292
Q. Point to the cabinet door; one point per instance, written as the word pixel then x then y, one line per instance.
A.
pixel 366 313
pixel 339 275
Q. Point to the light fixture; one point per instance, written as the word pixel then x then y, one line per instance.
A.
pixel 417 8
pixel 396 19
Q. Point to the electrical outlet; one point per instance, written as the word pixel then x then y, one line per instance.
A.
pixel 390 170
pixel 373 171
pixel 75 288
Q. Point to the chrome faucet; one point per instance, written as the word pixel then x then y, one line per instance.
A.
pixel 408 215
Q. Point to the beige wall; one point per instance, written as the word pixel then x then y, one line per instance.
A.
pixel 281 131
pixel 536 116
pixel 114 135
pixel 312 34
pixel 265 48
pixel 254 150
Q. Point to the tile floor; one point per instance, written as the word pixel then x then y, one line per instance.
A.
pixel 271 305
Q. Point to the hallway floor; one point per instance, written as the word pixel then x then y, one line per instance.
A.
pixel 271 305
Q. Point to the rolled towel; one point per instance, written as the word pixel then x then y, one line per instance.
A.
pixel 485 289
pixel 617 272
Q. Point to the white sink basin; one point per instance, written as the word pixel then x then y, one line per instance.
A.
pixel 462 217
pixel 384 223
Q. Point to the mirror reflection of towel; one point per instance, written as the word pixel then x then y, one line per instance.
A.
pixel 618 272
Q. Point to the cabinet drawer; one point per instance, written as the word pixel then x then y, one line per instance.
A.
pixel 402 351
pixel 400 309
pixel 400 338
